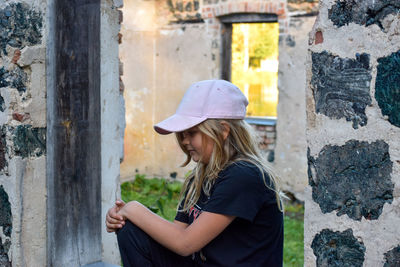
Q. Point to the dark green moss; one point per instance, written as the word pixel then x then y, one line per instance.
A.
pixel 5 213
pixel 29 141
pixel 387 87
pixel 20 26
pixel 353 179
pixel 338 249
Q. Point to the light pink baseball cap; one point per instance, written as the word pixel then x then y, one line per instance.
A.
pixel 210 99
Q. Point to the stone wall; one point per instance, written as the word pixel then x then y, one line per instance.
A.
pixel 26 42
pixel 353 99
pixel 23 133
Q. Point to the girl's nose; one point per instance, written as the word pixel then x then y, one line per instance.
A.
pixel 185 140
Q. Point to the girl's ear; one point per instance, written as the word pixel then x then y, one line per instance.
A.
pixel 226 130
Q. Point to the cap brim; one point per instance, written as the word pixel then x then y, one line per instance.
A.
pixel 177 123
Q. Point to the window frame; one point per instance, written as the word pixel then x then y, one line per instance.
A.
pixel 226 50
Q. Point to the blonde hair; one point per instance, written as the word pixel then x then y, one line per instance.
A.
pixel 239 145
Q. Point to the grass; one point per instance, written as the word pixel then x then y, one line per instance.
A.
pixel 162 197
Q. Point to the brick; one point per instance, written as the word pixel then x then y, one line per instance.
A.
pixel 319 37
pixel 17 55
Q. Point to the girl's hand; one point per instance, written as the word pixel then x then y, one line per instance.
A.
pixel 114 221
pixel 126 209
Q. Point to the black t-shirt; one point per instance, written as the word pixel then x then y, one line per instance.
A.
pixel 255 237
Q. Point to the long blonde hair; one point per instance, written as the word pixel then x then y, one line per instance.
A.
pixel 239 145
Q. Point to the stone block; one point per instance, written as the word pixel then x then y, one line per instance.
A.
pixel 392 257
pixel 5 213
pixel 338 249
pixel 353 179
pixel 31 55
pixel 3 148
pixel 2 104
pixel 341 86
pixel 387 87
pixel 29 141
pixel 21 26
pixel 362 12
pixel 4 248
pixel 14 78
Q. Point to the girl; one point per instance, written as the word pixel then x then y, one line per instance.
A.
pixel 230 213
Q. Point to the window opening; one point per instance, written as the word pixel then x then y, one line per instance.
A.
pixel 254 65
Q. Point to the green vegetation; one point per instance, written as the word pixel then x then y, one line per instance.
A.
pixel 293 251
pixel 162 197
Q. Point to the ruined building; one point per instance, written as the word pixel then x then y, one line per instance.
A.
pixel 69 68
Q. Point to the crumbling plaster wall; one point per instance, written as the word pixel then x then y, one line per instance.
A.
pixel 290 149
pixel 160 61
pixel 353 82
pixel 23 133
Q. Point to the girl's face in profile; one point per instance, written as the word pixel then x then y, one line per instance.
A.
pixel 199 146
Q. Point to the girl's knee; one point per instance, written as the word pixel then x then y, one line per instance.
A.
pixel 130 233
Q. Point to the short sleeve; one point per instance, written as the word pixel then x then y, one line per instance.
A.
pixel 239 191
pixel 181 215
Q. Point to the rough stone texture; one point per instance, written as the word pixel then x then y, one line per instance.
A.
pixel 362 12
pixel 184 11
pixel 2 104
pixel 387 87
pixel 3 148
pixel 29 141
pixel 290 158
pixel 4 248
pixel 353 179
pixel 392 257
pixel 338 249
pixel 5 213
pixel 16 78
pixel 20 26
pixel 341 86
pixel 302 6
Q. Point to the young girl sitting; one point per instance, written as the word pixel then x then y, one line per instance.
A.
pixel 230 213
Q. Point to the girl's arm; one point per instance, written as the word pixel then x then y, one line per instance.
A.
pixel 175 236
pixel 181 224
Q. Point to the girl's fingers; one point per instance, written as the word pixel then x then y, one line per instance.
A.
pixel 113 214
pixel 113 226
pixel 114 220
